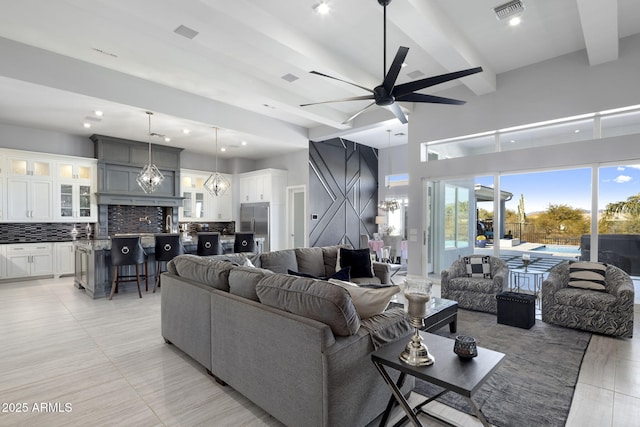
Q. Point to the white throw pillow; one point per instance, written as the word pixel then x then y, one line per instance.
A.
pixel 368 301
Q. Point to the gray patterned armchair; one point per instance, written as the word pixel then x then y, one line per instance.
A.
pixel 475 293
pixel 607 312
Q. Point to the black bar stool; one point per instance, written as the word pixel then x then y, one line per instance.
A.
pixel 209 244
pixel 168 246
pixel 244 242
pixel 127 251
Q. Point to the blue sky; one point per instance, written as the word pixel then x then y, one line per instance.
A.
pixel 567 187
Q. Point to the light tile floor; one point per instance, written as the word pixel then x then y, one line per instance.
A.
pixel 68 360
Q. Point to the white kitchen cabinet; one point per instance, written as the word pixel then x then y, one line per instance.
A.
pixel 29 259
pixel 75 188
pixel 3 262
pixel 266 185
pixel 64 258
pixel 26 165
pixel 29 199
pixel 198 204
pixel 29 194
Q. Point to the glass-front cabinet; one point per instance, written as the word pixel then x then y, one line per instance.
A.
pixel 75 199
pixel 198 204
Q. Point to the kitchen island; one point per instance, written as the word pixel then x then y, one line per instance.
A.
pixel 94 272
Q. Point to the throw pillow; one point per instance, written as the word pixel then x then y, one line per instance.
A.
pixel 478 266
pixel 358 259
pixel 314 299
pixel 368 301
pixel 340 275
pixel 279 261
pixel 243 281
pixel 587 275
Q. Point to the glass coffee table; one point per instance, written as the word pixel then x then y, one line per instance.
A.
pixel 440 312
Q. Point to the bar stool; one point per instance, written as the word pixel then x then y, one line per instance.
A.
pixel 244 242
pixel 127 251
pixel 209 244
pixel 168 246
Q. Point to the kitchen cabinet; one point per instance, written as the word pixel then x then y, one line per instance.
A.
pixel 75 188
pixel 29 199
pixel 3 262
pixel 29 166
pixel 266 185
pixel 29 259
pixel 198 204
pixel 64 258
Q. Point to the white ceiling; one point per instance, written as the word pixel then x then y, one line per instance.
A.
pixel 124 58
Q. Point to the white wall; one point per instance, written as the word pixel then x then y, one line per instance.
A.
pixel 561 87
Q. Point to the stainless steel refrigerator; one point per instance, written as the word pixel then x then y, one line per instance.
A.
pixel 254 218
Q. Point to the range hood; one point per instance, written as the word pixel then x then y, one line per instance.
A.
pixel 120 161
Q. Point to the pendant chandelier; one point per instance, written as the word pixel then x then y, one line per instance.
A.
pixel 149 178
pixel 393 204
pixel 216 184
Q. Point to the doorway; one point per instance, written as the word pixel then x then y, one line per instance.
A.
pixel 296 216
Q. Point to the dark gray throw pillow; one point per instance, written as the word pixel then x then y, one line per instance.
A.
pixel 358 259
pixel 343 274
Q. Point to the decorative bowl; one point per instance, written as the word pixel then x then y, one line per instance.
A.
pixel 465 347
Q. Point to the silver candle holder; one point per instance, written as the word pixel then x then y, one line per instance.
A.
pixel 417 291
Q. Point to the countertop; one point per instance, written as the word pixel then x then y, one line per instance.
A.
pixel 148 241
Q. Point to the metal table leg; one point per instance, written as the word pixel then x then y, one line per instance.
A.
pixel 398 395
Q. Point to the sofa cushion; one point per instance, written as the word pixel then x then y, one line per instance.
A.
pixel 587 299
pixel 311 298
pixel 343 274
pixel 478 266
pixel 587 275
pixel 243 281
pixel 330 255
pixel 368 301
pixel 279 261
pixel 358 259
pixel 209 271
pixel 310 261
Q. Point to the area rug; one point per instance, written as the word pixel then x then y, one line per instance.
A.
pixel 534 384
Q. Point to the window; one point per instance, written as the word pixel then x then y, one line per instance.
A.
pixel 456 217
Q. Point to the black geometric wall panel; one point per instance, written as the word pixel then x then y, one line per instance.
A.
pixel 343 192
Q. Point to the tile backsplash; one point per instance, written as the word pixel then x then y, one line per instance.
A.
pixel 135 219
pixel 41 232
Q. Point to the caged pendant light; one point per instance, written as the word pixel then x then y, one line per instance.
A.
pixel 216 184
pixel 389 205
pixel 149 178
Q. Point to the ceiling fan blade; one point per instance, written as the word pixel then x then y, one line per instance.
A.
pixel 353 98
pixel 340 80
pixel 358 113
pixel 394 69
pixel 420 97
pixel 407 88
pixel 397 111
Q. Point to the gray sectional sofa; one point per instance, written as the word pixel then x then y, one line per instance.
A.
pixel 295 346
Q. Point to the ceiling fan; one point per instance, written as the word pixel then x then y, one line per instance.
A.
pixel 388 93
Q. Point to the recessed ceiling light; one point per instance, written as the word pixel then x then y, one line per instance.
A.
pixel 576 131
pixel 223 149
pixel 167 139
pixel 515 21
pixel 86 125
pixel 186 131
pixel 243 143
pixel 98 113
pixel 322 8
